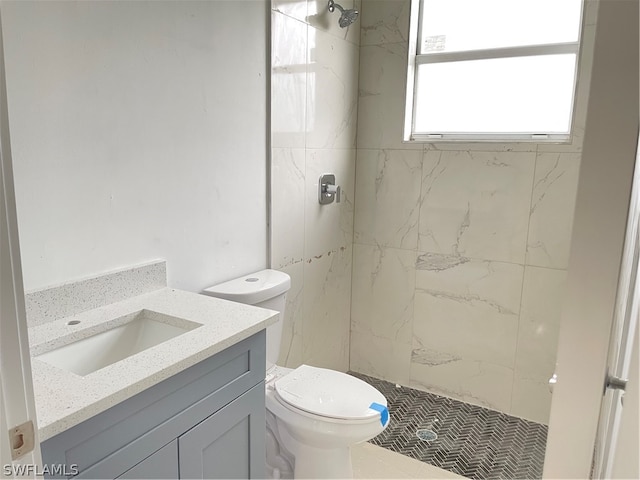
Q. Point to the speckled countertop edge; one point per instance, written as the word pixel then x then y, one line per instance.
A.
pixel 64 399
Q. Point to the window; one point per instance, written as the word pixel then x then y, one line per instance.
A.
pixel 492 69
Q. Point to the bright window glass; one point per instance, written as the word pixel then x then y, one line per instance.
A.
pixel 492 69
pixel 462 25
pixel 510 95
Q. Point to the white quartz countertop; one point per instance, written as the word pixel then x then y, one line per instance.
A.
pixel 64 399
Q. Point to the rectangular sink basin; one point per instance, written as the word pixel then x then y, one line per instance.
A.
pixel 130 335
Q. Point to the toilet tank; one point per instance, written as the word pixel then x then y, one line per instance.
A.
pixel 266 289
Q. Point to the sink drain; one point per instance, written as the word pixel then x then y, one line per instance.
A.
pixel 426 435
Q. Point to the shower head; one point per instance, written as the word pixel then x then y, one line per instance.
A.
pixel 347 17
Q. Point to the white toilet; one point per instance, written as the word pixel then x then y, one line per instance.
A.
pixel 314 415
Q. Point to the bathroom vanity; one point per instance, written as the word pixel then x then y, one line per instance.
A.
pixel 191 406
pixel 205 422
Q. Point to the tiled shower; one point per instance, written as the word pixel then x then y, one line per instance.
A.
pixel 443 268
pixel 314 88
pixel 460 251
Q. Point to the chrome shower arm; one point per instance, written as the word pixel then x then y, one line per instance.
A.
pixel 333 5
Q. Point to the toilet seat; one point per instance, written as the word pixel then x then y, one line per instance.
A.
pixel 329 394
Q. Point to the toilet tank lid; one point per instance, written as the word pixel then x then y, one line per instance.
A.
pixel 253 288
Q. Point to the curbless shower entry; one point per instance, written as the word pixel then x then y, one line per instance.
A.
pixel 465 439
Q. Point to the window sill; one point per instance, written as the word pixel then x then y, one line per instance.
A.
pixel 561 139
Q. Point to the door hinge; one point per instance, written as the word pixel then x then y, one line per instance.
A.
pixel 22 440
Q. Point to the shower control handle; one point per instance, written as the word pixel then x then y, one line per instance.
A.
pixel 328 191
pixel 333 190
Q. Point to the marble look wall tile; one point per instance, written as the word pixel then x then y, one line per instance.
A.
pixel 380 357
pixel 383 288
pixel 388 197
pixel 320 18
pixel 293 8
pixel 287 206
pixel 466 310
pixel 552 208
pixel 542 299
pixel 329 227
pixel 531 399
pixel 288 81
pixel 332 91
pixel 476 204
pixel 478 383
pixel 292 338
pixel 384 21
pixel 383 72
pixel 326 309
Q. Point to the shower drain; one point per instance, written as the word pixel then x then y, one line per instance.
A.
pixel 426 435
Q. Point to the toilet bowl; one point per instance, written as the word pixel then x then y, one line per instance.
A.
pixel 314 415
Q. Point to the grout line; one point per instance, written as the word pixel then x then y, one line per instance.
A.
pixel 415 260
pixel 524 273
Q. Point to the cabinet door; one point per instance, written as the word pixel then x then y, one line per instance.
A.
pixel 228 444
pixel 162 464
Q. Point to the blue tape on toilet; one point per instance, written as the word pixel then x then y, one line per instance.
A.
pixel 384 412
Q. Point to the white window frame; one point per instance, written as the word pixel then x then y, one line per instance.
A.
pixel 415 59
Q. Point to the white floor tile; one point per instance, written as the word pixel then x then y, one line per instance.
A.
pixel 371 461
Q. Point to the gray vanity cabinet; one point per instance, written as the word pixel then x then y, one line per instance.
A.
pixel 239 432
pixel 162 464
pixel 207 421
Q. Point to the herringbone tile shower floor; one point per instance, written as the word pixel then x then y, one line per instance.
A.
pixel 472 441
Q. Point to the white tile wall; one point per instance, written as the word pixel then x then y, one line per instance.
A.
pixel 314 107
pixel 480 306
pixel 381 357
pixel 385 22
pixel 288 81
pixel 473 381
pixel 293 8
pixel 383 292
pixel 322 20
pixel 468 309
pixel 332 86
pixel 552 205
pixel 383 72
pixel 449 278
pixel 325 312
pixel 291 352
pixel 328 227
pixel 476 204
pixel 288 167
pixel 387 197
pixel 542 296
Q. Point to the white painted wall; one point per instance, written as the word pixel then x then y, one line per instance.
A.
pixel 602 203
pixel 17 403
pixel 626 458
pixel 139 131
